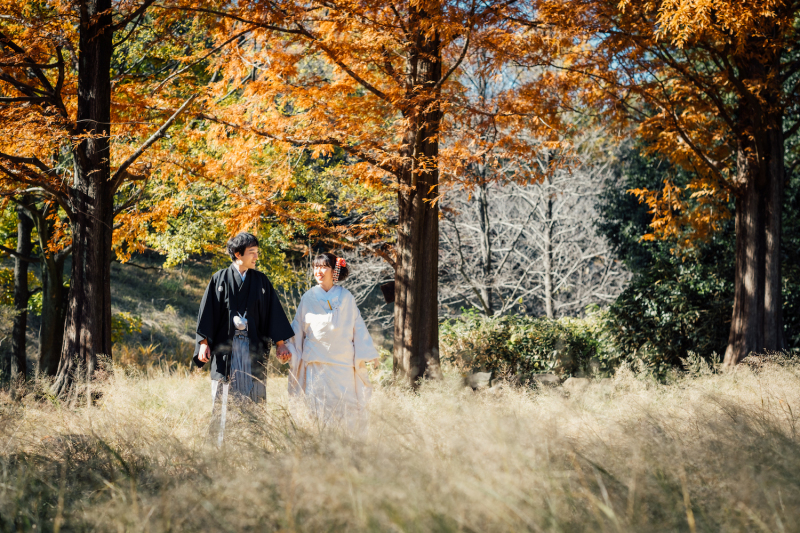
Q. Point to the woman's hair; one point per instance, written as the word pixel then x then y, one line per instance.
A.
pixel 240 243
pixel 329 260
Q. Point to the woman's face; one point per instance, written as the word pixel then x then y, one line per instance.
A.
pixel 323 275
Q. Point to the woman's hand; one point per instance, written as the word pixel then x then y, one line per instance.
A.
pixel 375 362
pixel 282 352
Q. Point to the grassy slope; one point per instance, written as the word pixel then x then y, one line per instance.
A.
pixel 706 453
pixel 166 301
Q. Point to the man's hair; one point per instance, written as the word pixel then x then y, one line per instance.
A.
pixel 240 243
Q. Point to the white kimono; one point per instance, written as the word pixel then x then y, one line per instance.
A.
pixel 329 350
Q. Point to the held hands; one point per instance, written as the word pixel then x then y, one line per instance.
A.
pixel 205 354
pixel 282 352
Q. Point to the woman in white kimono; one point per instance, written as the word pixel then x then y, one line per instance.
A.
pixel 330 349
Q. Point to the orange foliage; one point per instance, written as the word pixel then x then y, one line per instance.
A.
pixel 158 79
pixel 39 47
pixel 702 82
pixel 295 77
pixel 314 78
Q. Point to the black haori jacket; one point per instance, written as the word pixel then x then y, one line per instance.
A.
pixel 225 297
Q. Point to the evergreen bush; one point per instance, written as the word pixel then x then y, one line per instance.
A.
pixel 680 299
pixel 517 347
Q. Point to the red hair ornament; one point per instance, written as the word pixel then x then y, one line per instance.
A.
pixel 340 262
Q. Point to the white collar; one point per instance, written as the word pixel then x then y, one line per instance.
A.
pixel 331 295
pixel 241 274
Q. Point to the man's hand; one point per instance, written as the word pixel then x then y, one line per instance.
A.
pixel 282 352
pixel 205 354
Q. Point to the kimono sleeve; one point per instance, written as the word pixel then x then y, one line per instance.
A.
pixel 295 346
pixel 362 340
pixel 275 325
pixel 207 320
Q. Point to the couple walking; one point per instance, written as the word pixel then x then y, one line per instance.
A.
pixel 327 344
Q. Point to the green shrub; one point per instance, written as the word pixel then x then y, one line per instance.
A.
pixel 669 310
pixel 517 347
pixel 7 285
pixel 678 300
pixel 123 324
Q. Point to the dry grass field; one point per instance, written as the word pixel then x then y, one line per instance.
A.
pixel 707 452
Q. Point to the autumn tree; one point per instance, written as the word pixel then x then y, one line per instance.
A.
pixel 93 102
pixel 714 87
pixel 14 363
pixel 77 117
pixel 377 81
pixel 37 241
pixel 54 249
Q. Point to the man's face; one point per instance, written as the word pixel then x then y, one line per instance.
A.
pixel 249 258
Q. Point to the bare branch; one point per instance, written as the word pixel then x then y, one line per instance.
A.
pixel 35 161
pixel 133 15
pixel 28 65
pixel 18 99
pixel 460 59
pixel 334 57
pixel 119 175
pixel 23 257
pixel 4 39
pixel 29 177
pixel 190 65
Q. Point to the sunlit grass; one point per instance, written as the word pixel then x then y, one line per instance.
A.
pixel 708 453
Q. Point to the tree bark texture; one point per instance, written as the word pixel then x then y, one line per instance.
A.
pixel 773 302
pixel 548 252
pixel 416 329
pixel 88 316
pixel 18 367
pixel 51 330
pixel 757 321
pixel 486 243
pixel 51 333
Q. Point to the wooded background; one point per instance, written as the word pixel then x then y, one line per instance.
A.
pixel 522 159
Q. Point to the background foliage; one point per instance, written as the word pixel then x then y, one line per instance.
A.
pixel 517 347
pixel 679 298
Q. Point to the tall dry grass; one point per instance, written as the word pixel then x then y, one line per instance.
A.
pixel 707 452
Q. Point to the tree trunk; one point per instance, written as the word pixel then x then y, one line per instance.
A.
pixel 757 323
pixel 548 252
pixel 746 333
pixel 88 318
pixel 51 333
pixel 773 302
pixel 486 243
pixel 19 365
pixel 416 326
pixel 51 330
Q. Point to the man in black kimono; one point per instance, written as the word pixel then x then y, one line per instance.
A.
pixel 239 317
